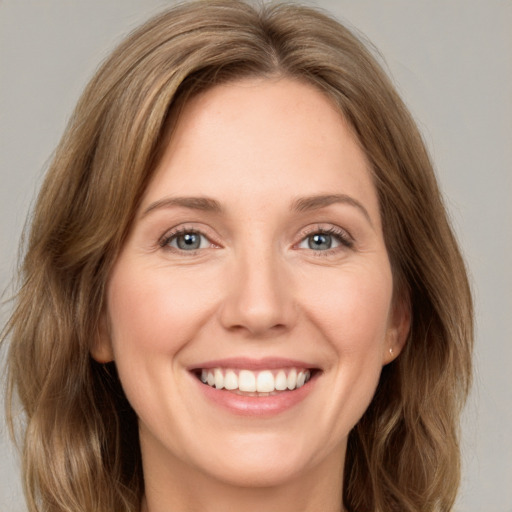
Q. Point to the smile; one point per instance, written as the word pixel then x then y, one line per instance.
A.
pixel 255 387
pixel 255 383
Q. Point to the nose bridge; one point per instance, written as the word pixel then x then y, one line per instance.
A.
pixel 259 298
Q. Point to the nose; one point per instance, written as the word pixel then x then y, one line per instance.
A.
pixel 259 296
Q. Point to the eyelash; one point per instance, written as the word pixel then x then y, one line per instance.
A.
pixel 345 240
pixel 166 239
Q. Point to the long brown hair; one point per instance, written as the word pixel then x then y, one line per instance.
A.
pixel 79 439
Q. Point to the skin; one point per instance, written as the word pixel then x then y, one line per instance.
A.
pixel 255 288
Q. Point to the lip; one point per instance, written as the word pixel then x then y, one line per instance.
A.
pixel 245 363
pixel 255 406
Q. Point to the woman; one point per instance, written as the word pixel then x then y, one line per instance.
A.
pixel 240 288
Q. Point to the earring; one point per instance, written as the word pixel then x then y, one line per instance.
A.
pixel 391 350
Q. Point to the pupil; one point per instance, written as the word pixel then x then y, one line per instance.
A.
pixel 320 242
pixel 189 241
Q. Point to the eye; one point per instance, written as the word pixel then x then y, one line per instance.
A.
pixel 186 240
pixel 324 240
pixel 320 242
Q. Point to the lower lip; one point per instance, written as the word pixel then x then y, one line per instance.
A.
pixel 254 405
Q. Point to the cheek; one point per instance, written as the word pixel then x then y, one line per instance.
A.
pixel 355 322
pixel 153 315
pixel 154 311
pixel 353 309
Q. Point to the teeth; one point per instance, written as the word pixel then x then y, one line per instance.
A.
pixel 246 381
pixel 219 378
pixel 230 380
pixel 281 382
pixel 300 379
pixel 266 381
pixel 292 379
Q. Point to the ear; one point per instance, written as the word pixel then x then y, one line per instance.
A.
pixel 101 347
pixel 398 329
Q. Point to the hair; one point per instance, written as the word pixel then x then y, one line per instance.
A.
pixel 78 434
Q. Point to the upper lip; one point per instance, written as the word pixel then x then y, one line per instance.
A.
pixel 266 363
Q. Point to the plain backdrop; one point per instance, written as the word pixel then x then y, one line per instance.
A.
pixel 451 61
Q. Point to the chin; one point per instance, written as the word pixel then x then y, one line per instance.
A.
pixel 265 461
pixel 257 473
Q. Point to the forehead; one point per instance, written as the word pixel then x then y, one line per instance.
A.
pixel 261 140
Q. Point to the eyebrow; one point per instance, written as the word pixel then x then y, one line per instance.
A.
pixel 303 204
pixel 204 204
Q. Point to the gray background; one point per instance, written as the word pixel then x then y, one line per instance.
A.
pixel 452 63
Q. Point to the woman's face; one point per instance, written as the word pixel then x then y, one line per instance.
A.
pixel 256 262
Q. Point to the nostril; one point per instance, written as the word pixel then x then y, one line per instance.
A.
pixel 257 304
